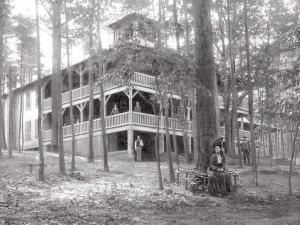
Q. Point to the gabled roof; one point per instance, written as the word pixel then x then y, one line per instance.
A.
pixel 129 18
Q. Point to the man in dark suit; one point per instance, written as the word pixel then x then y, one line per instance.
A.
pixel 245 149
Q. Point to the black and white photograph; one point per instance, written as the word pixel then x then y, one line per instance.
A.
pixel 149 112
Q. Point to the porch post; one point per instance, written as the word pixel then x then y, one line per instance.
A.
pixel 190 144
pixel 130 129
pixel 242 123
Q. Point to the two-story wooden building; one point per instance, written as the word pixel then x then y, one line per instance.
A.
pixel 127 111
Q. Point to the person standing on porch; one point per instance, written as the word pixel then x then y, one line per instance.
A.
pixel 138 145
pixel 245 149
pixel 137 107
pixel 115 110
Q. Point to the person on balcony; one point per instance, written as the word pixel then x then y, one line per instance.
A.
pixel 219 183
pixel 115 110
pixel 245 149
pixel 138 145
pixel 137 107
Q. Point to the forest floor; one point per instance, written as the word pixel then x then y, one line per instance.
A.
pixel 128 194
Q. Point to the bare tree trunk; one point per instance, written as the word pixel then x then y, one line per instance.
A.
pixel 292 157
pixel 186 27
pixel 237 130
pixel 91 157
pixel 270 145
pixel 164 22
pixel 282 139
pixel 57 123
pixel 39 94
pixel 250 87
pixel 11 113
pixel 197 153
pixel 207 106
pixel 70 81
pixel 173 129
pixel 20 135
pixel 105 150
pixel 2 24
pixel 168 143
pixel 102 72
pixel 177 31
pixel 226 95
pixel 158 119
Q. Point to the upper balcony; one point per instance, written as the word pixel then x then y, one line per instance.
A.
pixel 139 79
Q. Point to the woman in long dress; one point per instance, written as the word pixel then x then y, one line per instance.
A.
pixel 219 183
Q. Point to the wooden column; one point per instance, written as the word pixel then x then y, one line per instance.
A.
pixel 190 144
pixel 242 124
pixel 130 145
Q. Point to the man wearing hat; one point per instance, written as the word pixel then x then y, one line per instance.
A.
pixel 245 149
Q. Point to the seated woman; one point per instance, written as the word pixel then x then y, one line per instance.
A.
pixel 220 181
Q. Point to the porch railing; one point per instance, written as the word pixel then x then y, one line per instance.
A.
pixel 242 133
pixel 118 120
pixel 83 92
pixel 151 120
pixel 143 79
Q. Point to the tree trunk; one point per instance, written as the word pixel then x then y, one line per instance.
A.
pixel 2 128
pixel 91 157
pixel 39 95
pixel 70 81
pixel 270 145
pixel 102 73
pixel 226 95
pixel 11 113
pixel 250 87
pixel 20 135
pixel 103 127
pixel 164 22
pixel 168 143
pixel 197 153
pixel 282 139
pixel 173 129
pixel 186 27
pixel 177 31
pixel 57 125
pixel 158 119
pixel 207 107
pixel 292 157
pixel 237 130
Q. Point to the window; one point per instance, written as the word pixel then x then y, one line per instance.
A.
pixel 27 130
pixel 28 105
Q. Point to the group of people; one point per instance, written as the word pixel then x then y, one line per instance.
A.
pixel 115 110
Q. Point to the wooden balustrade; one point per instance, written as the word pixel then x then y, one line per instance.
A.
pixel 143 79
pixel 47 103
pixel 65 97
pixel 144 119
pixel 83 92
pixel 76 93
pixel 117 120
pixel 242 133
pixel 85 127
pixel 47 135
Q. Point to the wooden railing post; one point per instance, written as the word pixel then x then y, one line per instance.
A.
pixel 130 129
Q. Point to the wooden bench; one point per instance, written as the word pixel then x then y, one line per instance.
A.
pixel 193 176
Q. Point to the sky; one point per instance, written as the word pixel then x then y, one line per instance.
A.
pixel 27 7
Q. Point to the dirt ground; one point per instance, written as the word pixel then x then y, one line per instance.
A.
pixel 129 195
